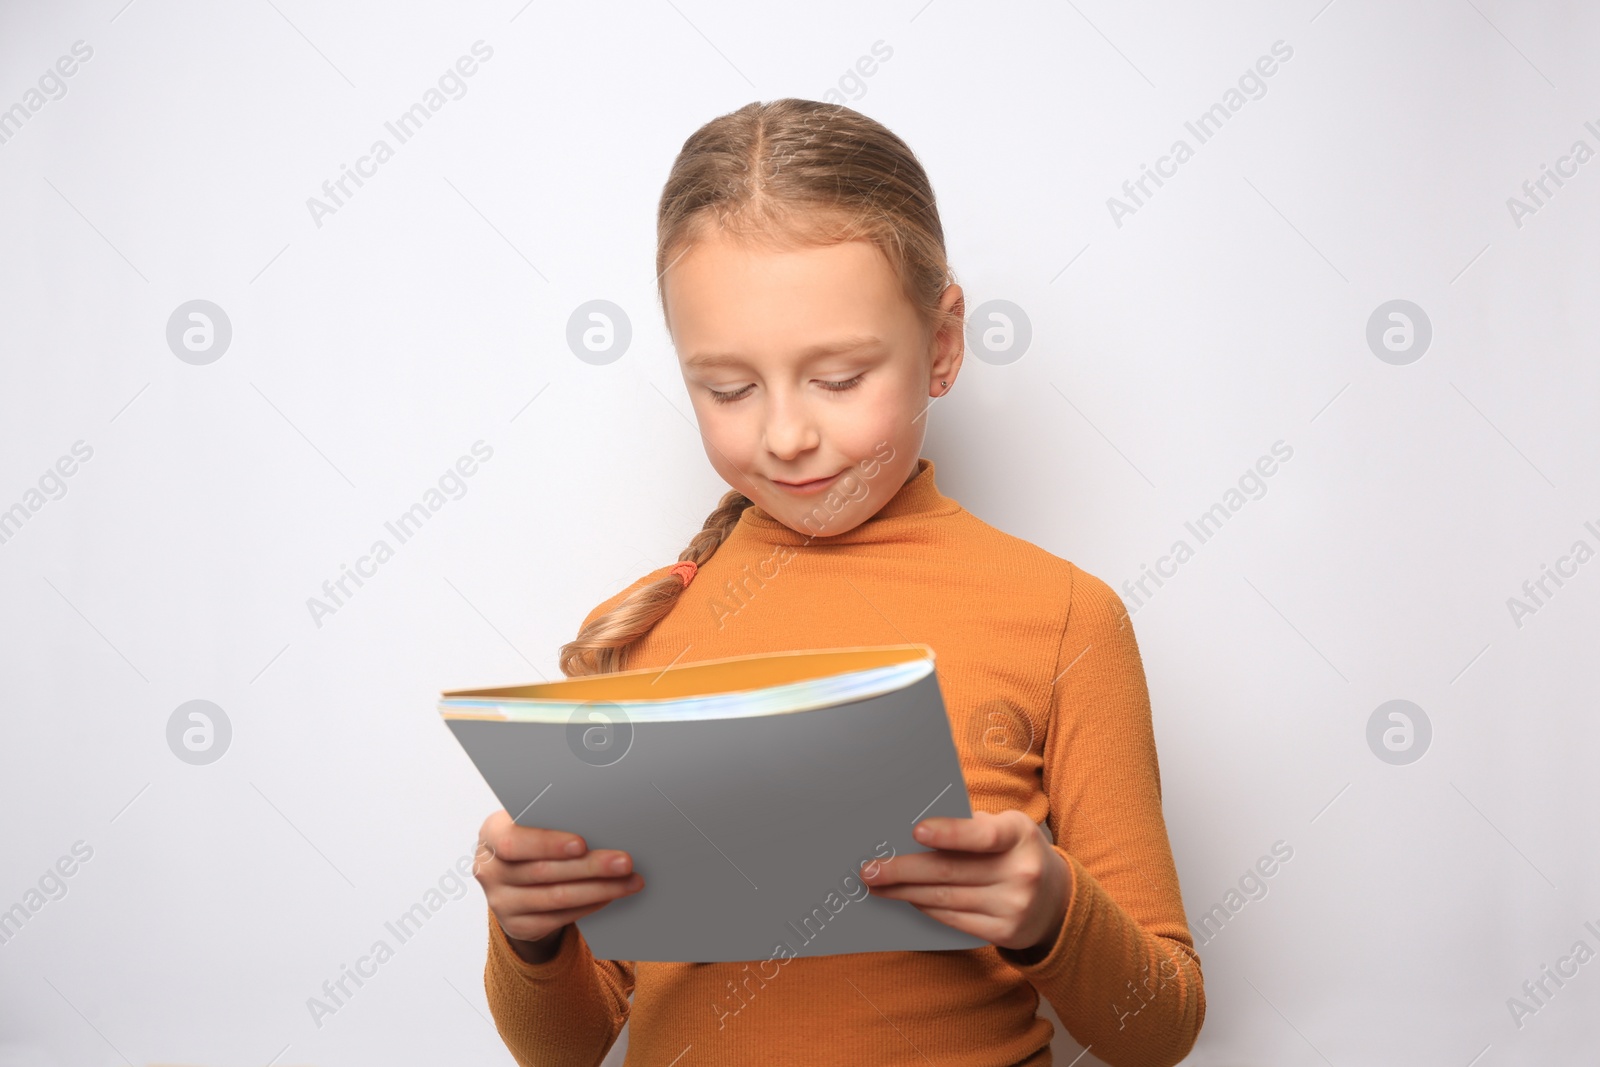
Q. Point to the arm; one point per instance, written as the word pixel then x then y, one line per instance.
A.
pixel 1122 972
pixel 563 1012
pixel 558 1006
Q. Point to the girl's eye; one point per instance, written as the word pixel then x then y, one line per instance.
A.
pixel 832 387
pixel 728 398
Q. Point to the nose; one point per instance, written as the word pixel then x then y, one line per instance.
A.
pixel 790 429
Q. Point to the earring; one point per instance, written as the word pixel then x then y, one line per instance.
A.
pixel 946 385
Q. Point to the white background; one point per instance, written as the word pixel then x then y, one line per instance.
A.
pixel 430 311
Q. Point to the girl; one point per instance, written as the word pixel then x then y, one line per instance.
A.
pixel 802 273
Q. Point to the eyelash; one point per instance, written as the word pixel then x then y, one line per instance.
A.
pixel 832 387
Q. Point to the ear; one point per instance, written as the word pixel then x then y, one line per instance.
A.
pixel 949 343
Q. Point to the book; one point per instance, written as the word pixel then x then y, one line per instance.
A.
pixel 749 791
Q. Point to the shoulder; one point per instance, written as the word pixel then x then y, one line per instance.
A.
pixel 1076 597
pixel 1011 561
pixel 1093 599
pixel 1006 551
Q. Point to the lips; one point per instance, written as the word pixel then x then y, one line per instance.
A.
pixel 812 486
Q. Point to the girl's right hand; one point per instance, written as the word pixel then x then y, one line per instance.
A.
pixel 535 887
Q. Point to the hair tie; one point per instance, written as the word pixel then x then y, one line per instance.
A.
pixel 685 570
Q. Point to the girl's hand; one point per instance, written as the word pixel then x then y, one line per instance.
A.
pixel 536 886
pixel 993 876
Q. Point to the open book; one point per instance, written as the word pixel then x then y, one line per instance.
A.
pixel 749 791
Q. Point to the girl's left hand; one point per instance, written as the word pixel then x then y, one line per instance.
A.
pixel 995 876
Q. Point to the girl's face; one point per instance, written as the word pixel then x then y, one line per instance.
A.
pixel 807 365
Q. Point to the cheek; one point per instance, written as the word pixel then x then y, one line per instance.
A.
pixel 729 438
pixel 884 413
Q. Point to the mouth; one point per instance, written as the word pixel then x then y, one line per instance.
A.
pixel 816 485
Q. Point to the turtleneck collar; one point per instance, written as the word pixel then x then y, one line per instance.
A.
pixel 916 501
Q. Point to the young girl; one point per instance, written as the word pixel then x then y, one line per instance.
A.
pixel 803 277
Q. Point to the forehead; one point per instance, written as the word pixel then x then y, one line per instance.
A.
pixel 724 295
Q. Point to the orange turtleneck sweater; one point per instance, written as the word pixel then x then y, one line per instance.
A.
pixel 1047 700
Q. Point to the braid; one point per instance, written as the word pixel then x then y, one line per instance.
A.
pixel 599 646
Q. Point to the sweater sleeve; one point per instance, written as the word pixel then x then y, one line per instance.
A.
pixel 1122 973
pixel 568 1010
pixel 564 1012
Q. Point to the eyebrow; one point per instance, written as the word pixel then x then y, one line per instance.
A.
pixel 826 348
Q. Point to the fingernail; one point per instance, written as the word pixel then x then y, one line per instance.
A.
pixel 619 865
pixel 574 847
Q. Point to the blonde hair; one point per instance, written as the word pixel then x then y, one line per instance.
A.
pixel 785 174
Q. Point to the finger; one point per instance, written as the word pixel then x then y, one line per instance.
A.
pixel 940 867
pixel 976 900
pixel 987 927
pixel 564 895
pixel 514 843
pixel 537 927
pixel 604 863
pixel 984 832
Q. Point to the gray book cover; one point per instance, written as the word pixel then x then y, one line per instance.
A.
pixel 748 824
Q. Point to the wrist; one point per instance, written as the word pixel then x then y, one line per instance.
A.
pixel 1035 953
pixel 541 950
pixel 1038 951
